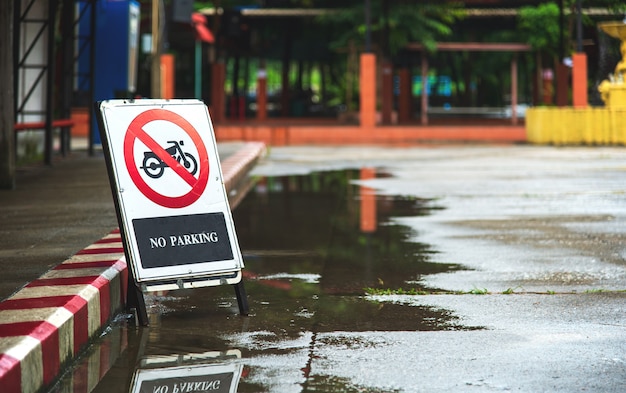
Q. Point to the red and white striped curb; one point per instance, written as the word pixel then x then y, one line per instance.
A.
pixel 47 323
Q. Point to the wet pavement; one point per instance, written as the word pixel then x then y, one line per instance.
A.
pixel 54 212
pixel 423 269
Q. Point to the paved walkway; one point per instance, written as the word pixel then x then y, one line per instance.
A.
pixel 64 275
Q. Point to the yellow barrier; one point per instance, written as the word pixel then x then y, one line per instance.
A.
pixel 533 125
pixel 619 125
pixel 575 126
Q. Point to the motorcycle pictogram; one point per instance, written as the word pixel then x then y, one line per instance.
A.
pixel 155 167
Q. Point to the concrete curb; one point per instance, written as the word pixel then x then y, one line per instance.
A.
pixel 49 321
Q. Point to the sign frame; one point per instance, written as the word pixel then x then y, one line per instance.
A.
pixel 165 175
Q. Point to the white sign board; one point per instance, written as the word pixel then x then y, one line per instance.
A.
pixel 169 192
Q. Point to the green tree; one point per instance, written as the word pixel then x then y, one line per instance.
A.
pixel 393 24
pixel 540 27
pixel 396 23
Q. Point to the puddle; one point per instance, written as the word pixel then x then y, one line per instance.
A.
pixel 312 224
pixel 312 245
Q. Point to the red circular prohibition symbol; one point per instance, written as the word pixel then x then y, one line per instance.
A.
pixel 135 132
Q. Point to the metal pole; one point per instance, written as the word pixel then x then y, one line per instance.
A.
pixel 67 47
pixel 424 98
pixel 198 70
pixel 561 32
pixel 17 27
pixel 514 90
pixel 52 6
pixel 579 27
pixel 368 33
pixel 92 75
pixel 156 46
pixel 7 117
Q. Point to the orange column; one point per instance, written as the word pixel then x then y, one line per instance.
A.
pixel 167 76
pixel 368 202
pixel 367 84
pixel 387 90
pixel 261 95
pixel 218 76
pixel 404 99
pixel 579 80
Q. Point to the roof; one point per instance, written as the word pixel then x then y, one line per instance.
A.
pixel 312 12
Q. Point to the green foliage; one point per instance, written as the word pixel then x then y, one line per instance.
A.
pixel 198 5
pixel 617 6
pixel 540 27
pixel 510 291
pixel 389 291
pixel 478 291
pixel 423 23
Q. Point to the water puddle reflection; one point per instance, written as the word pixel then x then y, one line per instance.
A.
pixel 194 372
pixel 312 245
pixel 323 224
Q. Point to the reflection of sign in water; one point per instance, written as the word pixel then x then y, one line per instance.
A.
pixel 182 383
pixel 218 374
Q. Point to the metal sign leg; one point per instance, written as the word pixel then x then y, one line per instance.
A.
pixel 136 304
pixel 242 298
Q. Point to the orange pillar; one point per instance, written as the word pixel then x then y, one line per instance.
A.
pixel 218 77
pixel 368 203
pixel 404 99
pixel 167 76
pixel 367 84
pixel 261 95
pixel 579 80
pixel 387 90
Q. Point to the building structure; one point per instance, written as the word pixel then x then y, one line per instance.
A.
pixel 54 94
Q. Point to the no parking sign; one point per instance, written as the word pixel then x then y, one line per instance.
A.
pixel 169 193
